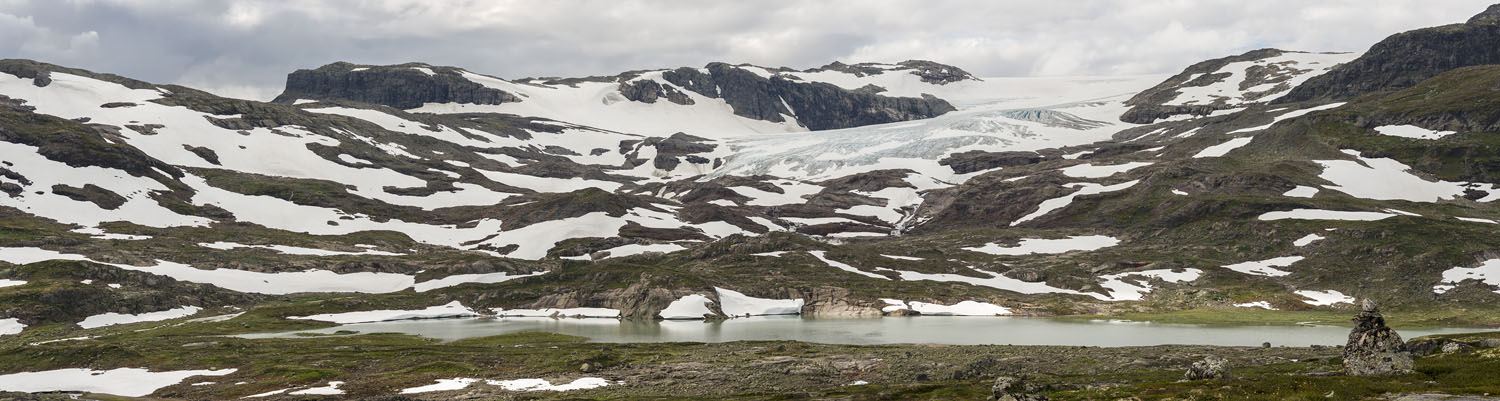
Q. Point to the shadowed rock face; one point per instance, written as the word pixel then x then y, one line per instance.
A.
pixel 400 86
pixel 1406 58
pixel 817 106
pixel 1374 349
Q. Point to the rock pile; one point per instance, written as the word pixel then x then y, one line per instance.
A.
pixel 1373 348
pixel 1212 367
pixel 1015 388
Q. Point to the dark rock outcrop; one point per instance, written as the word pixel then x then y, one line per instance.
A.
pixel 647 91
pixel 817 106
pixel 1406 58
pixel 978 160
pixel 400 86
pixel 1374 349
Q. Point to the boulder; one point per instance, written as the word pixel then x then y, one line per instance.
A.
pixel 1212 367
pixel 1015 388
pixel 1373 348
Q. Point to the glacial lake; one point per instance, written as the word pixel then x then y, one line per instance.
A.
pixel 953 330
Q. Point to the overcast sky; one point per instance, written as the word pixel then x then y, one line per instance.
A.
pixel 245 48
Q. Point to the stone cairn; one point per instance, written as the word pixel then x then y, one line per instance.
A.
pixel 1373 348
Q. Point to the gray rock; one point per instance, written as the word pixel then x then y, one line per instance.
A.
pixel 1373 348
pixel 400 86
pixel 1212 367
pixel 1455 347
pixel 1015 388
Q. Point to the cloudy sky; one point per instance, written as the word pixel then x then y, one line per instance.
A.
pixel 244 48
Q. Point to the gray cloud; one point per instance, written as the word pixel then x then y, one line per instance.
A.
pixel 244 48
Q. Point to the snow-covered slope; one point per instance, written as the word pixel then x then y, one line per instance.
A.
pixel 1230 84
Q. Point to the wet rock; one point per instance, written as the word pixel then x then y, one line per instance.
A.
pixel 1373 348
pixel 1212 367
pixel 1015 388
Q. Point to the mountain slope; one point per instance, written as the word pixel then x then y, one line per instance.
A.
pixel 1033 195
pixel 714 101
pixel 1404 59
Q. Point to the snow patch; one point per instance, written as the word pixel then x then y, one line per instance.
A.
pixel 127 382
pixel 1324 298
pixel 1088 170
pixel 734 303
pixel 1222 149
pixel 1321 214
pixel 692 306
pixel 1266 267
pixel 1487 273
pixel 1411 131
pixel 1301 191
pixel 1307 239
pixel 1085 188
pixel 449 310
pixel 1029 246
pixel 110 319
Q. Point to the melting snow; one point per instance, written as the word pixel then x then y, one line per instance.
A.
pixel 559 312
pixel 692 306
pixel 294 250
pixel 963 308
pixel 331 389
pixel 128 382
pixel 845 267
pixel 1468 219
pixel 1085 188
pixel 1222 149
pixel 1388 179
pixel 544 385
pixel 457 383
pixel 482 278
pixel 1087 170
pixel 1320 214
pixel 1324 298
pixel 110 319
pixel 1487 272
pixel 451 309
pixel 1131 286
pixel 11 326
pixel 1266 267
pixel 1308 239
pixel 1411 131
pixel 1030 246
pixel 1256 304
pixel 734 303
pixel 1301 192
pixel 637 249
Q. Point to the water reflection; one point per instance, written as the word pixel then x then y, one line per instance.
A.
pixel 889 330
